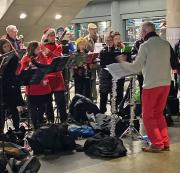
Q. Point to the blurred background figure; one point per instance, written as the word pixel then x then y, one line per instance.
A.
pixel 21 40
pixel 105 86
pixel 11 89
pixel 51 49
pixel 81 70
pixel 59 32
pixel 177 54
pixel 12 36
pixel 91 39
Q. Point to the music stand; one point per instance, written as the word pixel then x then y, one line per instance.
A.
pixel 61 64
pixel 32 76
pixel 118 71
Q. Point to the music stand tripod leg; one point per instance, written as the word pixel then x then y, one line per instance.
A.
pixel 57 118
pixel 131 130
pixel 113 108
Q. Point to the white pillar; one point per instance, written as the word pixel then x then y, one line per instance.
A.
pixel 173 21
pixel 115 16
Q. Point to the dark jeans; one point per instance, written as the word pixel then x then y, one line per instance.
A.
pixel 61 107
pixel 36 112
pixel 37 107
pixel 104 96
pixel 83 86
pixel 103 102
pixel 15 117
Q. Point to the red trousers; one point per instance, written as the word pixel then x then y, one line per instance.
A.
pixel 153 105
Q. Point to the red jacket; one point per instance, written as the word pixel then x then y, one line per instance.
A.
pixel 39 89
pixel 56 79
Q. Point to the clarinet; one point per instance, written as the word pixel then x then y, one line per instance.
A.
pixel 59 40
pixel 37 64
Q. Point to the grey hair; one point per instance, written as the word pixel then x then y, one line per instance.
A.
pixel 149 25
pixel 10 28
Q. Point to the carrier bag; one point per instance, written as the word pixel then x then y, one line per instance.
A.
pixel 102 145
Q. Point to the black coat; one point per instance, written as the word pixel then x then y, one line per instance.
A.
pixel 11 88
pixel 107 57
pixel 15 43
pixel 177 50
pixel 136 47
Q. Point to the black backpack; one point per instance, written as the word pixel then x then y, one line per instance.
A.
pixel 3 164
pixel 80 106
pixel 30 165
pixel 51 138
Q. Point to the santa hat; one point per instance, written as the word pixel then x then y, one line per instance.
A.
pixel 46 32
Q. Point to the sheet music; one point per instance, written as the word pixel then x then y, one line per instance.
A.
pixel 98 47
pixel 119 71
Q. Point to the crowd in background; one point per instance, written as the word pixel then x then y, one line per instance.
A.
pixel 85 65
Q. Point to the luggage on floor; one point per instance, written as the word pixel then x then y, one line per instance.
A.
pixel 102 123
pixel 14 151
pixel 14 137
pixel 102 145
pixel 3 164
pixel 80 106
pixel 81 131
pixel 52 138
pixel 28 165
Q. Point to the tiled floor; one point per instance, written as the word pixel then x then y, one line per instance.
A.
pixel 135 162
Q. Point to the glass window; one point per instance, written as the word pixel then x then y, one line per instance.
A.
pixel 103 27
pixel 133 27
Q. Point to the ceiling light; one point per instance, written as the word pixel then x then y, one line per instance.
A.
pixel 58 16
pixel 22 15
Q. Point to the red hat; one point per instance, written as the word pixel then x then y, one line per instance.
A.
pixel 46 32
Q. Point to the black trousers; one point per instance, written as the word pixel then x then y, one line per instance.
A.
pixel 15 117
pixel 103 102
pixel 37 108
pixel 61 107
pixel 82 86
pixel 140 80
pixel 104 96
pixel 36 113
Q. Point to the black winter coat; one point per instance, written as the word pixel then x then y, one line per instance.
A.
pixel 107 57
pixel 11 88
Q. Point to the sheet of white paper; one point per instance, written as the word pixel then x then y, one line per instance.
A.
pixel 119 71
pixel 98 47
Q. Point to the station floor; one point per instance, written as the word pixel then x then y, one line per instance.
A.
pixel 135 162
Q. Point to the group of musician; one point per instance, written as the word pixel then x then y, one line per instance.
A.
pixel 39 97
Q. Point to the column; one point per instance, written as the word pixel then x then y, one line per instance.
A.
pixel 116 23
pixel 173 21
pixel 76 30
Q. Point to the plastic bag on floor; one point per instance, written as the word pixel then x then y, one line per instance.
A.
pixel 102 145
pixel 81 131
